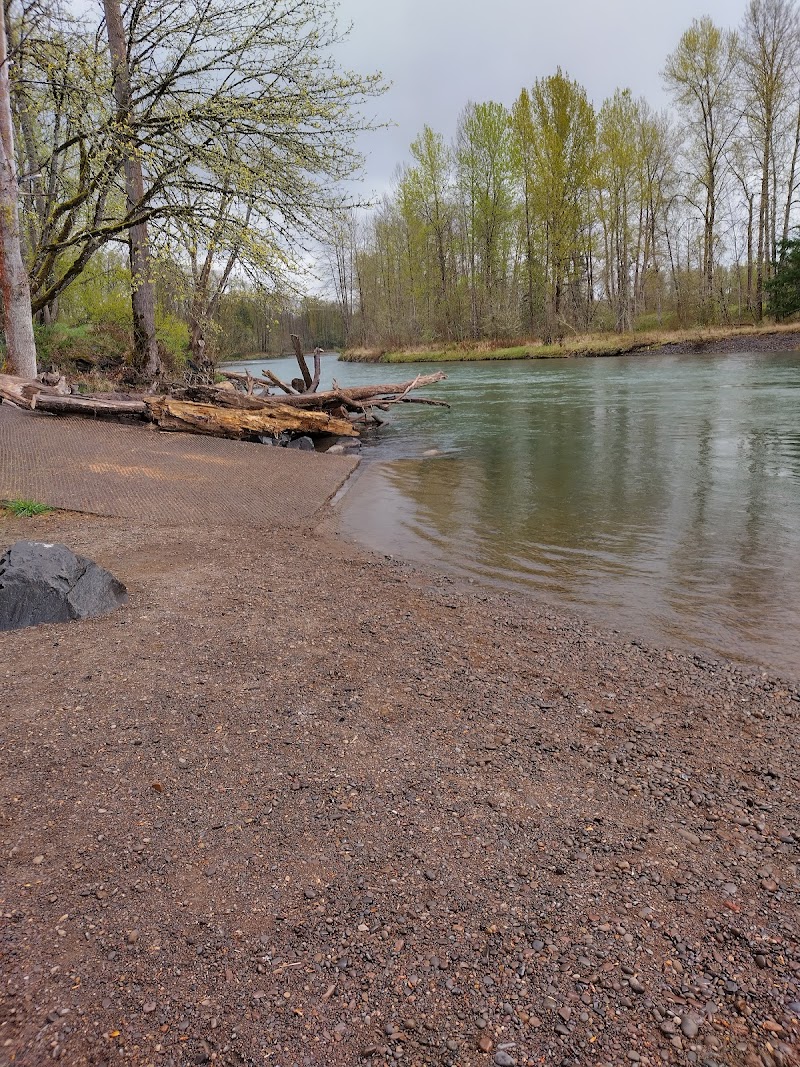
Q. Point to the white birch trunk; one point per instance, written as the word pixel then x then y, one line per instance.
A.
pixel 17 317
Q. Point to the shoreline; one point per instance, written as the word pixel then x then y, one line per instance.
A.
pixel 301 804
pixel 711 341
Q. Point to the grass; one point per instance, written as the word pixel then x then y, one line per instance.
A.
pixel 595 344
pixel 26 508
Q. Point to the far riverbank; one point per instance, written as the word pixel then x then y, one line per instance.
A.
pixel 784 338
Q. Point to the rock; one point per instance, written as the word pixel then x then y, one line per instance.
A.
pixel 690 1027
pixel 302 444
pixel 502 1059
pixel 42 583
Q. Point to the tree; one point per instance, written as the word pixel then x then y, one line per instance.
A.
pixel 619 174
pixel 429 189
pixel 700 75
pixel 257 101
pixel 783 289
pixel 563 148
pixel 484 162
pixel 17 317
pixel 143 299
pixel 770 50
pixel 523 134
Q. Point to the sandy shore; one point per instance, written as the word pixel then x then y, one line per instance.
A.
pixel 300 805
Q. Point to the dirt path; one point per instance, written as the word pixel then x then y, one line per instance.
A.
pixel 299 805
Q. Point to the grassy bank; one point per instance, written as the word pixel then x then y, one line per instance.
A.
pixel 586 345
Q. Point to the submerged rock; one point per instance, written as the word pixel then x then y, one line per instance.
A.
pixel 49 583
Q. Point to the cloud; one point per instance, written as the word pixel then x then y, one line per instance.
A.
pixel 440 54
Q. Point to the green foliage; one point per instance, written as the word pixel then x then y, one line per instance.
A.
pixel 564 154
pixel 26 508
pixel 173 337
pixel 783 289
pixel 83 347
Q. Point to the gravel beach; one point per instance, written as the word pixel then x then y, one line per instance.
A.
pixel 300 805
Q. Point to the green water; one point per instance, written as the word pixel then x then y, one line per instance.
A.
pixel 657 495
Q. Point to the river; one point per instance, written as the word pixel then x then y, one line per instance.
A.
pixel 657 495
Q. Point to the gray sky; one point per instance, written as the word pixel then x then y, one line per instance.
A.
pixel 441 53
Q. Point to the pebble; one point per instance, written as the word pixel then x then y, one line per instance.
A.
pixel 503 1059
pixel 690 1027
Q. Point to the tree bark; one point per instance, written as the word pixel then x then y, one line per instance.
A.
pixel 171 414
pixel 17 315
pixel 143 301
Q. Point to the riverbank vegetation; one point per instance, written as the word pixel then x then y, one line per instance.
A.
pixel 556 217
pixel 778 337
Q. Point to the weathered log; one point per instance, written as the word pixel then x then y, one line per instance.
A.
pixel 301 361
pixel 87 405
pixel 33 394
pixel 362 392
pixel 356 398
pixel 212 394
pixel 11 389
pixel 22 391
pixel 218 421
pixel 281 385
pixel 317 371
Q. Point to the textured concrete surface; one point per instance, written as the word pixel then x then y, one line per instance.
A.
pixel 132 471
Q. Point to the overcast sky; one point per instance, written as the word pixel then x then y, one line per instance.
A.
pixel 439 54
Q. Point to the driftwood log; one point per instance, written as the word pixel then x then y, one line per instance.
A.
pixel 223 411
pixel 242 423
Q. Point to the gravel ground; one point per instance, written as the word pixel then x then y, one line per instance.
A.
pixel 767 342
pixel 300 805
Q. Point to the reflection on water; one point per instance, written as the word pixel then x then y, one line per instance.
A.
pixel 659 495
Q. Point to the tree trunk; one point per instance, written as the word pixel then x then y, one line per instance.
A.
pixel 17 316
pixel 792 179
pixel 143 300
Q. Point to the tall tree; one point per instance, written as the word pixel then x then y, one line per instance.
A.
pixel 770 51
pixel 700 75
pixel 524 159
pixel 484 161
pixel 564 150
pixel 17 317
pixel 143 297
pixel 621 208
pixel 429 184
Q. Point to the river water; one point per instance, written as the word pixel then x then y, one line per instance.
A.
pixel 658 495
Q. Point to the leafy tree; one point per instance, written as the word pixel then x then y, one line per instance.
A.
pixel 700 75
pixel 770 52
pixel 564 153
pixel 242 128
pixel 783 288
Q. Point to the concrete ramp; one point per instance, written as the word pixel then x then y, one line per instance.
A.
pixel 139 472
